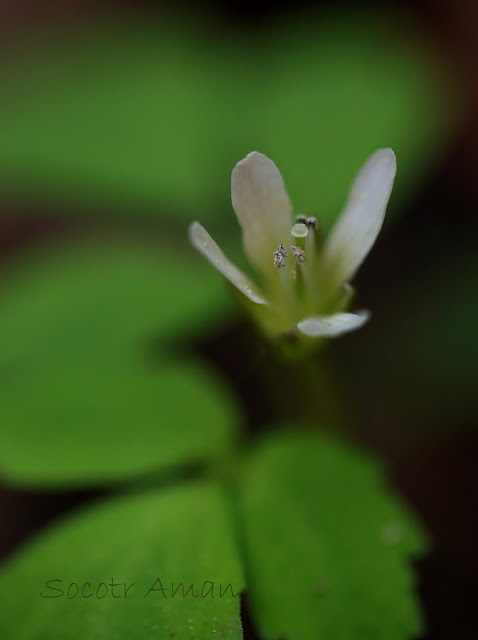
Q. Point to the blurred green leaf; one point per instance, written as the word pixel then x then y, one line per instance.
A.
pixel 78 427
pixel 182 535
pixel 337 90
pixel 326 548
pixel 86 393
pixel 151 118
pixel 98 299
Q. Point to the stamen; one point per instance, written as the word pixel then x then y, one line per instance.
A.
pixel 279 259
pixel 282 250
pixel 298 253
pixel 312 242
pixel 309 222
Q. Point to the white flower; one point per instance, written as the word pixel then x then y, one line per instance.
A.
pixel 305 279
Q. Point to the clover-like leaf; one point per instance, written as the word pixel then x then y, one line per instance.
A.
pixel 88 395
pixel 326 546
pixel 171 555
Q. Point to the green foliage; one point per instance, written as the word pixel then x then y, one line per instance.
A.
pixel 88 394
pixel 148 119
pixel 108 299
pixel 326 548
pixel 324 552
pixel 178 535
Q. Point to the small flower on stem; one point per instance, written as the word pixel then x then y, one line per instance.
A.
pixel 305 282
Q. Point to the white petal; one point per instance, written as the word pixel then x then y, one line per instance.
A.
pixel 202 241
pixel 334 325
pixel 357 228
pixel 262 207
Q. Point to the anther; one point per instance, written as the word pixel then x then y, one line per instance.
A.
pixel 309 222
pixel 279 260
pixel 298 253
pixel 282 250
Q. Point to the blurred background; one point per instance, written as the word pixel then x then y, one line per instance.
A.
pixel 120 123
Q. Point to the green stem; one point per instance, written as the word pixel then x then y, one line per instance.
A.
pixel 304 389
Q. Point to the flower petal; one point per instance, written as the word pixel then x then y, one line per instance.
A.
pixel 357 228
pixel 334 325
pixel 262 207
pixel 202 242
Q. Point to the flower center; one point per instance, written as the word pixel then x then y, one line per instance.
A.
pixel 299 231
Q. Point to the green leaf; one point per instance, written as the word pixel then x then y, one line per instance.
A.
pixel 87 394
pixel 89 300
pixel 326 548
pixel 150 118
pixel 74 427
pixel 178 536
